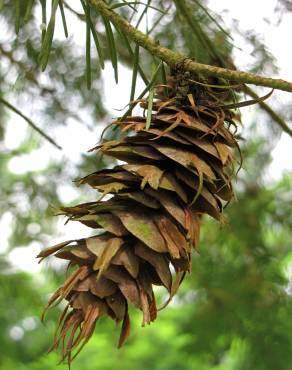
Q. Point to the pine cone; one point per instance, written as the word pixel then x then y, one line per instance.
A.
pixel 175 171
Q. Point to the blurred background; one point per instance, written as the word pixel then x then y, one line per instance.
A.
pixel 234 311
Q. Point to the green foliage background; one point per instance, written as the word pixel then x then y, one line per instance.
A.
pixel 232 313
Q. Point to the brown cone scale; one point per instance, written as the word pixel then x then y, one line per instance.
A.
pixel 174 172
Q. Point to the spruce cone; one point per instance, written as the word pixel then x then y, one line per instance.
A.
pixel 176 170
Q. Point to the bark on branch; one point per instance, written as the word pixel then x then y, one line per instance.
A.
pixel 173 58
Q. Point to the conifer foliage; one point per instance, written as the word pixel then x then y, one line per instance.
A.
pixel 177 165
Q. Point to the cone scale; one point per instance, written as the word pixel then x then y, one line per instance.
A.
pixel 173 172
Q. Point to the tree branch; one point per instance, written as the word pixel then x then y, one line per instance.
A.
pixel 27 70
pixel 29 121
pixel 207 43
pixel 173 58
pixel 274 115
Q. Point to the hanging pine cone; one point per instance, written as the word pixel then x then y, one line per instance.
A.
pixel 176 170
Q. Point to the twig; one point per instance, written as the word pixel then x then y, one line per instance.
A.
pixel 274 115
pixel 28 70
pixel 78 15
pixel 29 121
pixel 226 63
pixel 174 59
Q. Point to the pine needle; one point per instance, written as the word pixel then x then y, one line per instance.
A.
pixel 149 109
pixel 135 72
pixel 61 6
